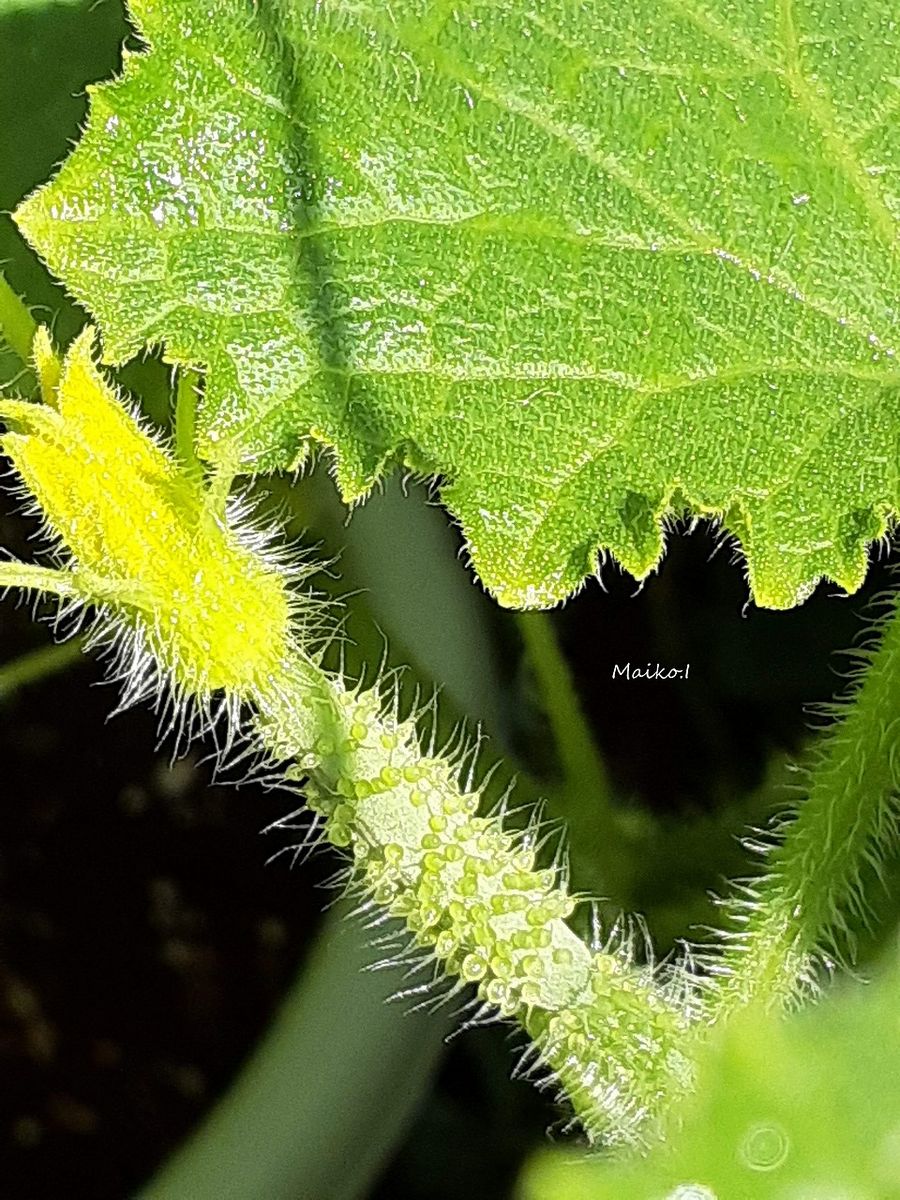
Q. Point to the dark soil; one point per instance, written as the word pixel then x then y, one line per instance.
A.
pixel 144 941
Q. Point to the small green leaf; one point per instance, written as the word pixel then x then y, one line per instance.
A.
pixel 592 264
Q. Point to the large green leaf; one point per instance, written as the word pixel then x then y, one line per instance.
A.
pixel 592 263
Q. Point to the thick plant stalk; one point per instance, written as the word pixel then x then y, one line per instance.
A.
pixel 317 1110
pixel 794 922
pixel 201 610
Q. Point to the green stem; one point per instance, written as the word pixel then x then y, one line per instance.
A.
pixel 326 1094
pixel 186 395
pixel 797 915
pixel 585 801
pixel 476 902
pixel 41 579
pixel 17 325
pixel 84 585
pixel 37 665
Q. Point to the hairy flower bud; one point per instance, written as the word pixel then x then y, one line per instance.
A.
pixel 129 522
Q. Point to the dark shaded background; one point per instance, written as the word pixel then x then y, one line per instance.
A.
pixel 145 943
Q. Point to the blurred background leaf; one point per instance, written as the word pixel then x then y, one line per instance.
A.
pixel 806 1108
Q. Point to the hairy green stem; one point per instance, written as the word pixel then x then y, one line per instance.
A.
pixel 219 488
pixel 76 583
pixel 17 325
pixel 585 800
pixel 475 900
pixel 796 919
pixel 28 577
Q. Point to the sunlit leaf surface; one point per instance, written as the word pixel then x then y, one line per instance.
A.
pixel 590 263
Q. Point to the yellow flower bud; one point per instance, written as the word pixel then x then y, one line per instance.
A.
pixel 132 525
